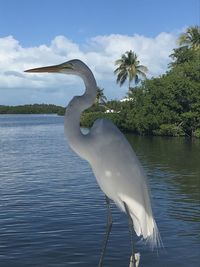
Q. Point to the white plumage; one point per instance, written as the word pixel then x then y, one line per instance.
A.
pixel 120 176
pixel 113 161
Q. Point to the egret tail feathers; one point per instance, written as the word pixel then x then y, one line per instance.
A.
pixel 146 227
pixel 154 238
pixel 143 222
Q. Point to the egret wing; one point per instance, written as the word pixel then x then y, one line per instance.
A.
pixel 121 176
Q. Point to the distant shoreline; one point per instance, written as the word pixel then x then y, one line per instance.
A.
pixel 21 114
pixel 32 109
pixel 87 118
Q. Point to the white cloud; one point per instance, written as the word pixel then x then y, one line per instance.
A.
pixel 99 53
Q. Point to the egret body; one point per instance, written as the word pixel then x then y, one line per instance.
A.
pixel 114 163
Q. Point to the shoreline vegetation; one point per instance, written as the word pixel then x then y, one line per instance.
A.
pixel 32 109
pixel 114 110
pixel 168 105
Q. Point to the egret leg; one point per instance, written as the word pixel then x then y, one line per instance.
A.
pixel 131 231
pixel 108 230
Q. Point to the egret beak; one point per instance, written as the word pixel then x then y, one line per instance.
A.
pixel 52 69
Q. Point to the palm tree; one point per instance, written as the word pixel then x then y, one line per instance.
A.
pixel 100 98
pixel 129 67
pixel 191 37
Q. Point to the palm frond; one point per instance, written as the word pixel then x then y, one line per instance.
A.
pixel 191 37
pixel 123 79
pixel 142 68
pixel 142 74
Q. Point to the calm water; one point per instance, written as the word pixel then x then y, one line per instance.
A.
pixel 52 212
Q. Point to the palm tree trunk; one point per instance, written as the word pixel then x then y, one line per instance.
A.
pixel 129 84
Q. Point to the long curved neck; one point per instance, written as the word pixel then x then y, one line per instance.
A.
pixel 74 110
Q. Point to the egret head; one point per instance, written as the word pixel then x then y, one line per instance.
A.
pixel 74 66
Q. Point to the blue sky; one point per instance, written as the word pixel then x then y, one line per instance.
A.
pixel 88 29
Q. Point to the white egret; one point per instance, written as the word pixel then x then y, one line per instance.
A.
pixel 113 161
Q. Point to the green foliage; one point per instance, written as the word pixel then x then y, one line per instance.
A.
pixel 197 133
pixel 181 55
pixel 171 100
pixel 168 105
pixel 95 108
pixel 88 118
pixel 115 105
pixel 169 130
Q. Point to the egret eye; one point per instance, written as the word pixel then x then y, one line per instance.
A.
pixel 68 66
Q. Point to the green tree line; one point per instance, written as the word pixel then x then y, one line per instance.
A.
pixel 32 109
pixel 168 105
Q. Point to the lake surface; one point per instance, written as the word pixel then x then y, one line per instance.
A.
pixel 52 212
